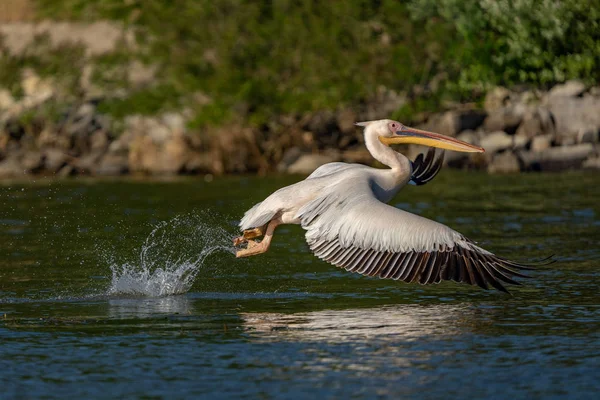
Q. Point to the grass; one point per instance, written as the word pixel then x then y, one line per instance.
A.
pixel 255 60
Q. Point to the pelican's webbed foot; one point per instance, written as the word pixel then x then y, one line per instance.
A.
pixel 253 247
pixel 249 234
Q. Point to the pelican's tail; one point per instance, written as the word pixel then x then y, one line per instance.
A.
pixel 256 217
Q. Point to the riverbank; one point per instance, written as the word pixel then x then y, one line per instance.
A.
pixel 106 89
pixel 530 130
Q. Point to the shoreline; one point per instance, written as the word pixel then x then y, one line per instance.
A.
pixel 521 132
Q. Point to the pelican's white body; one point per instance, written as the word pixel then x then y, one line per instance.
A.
pixel 343 209
pixel 350 201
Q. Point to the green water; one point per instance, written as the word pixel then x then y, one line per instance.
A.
pixel 285 324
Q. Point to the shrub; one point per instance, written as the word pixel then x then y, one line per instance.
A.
pixel 255 59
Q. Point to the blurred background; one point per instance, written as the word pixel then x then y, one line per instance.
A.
pixel 247 88
pixel 158 87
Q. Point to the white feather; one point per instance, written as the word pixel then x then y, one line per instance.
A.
pixel 349 212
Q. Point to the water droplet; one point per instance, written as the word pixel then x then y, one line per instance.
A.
pixel 171 257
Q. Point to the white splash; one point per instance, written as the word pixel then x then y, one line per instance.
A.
pixel 170 258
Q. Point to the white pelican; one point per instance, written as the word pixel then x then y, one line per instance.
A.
pixel 343 209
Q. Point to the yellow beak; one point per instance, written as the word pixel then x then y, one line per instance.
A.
pixel 408 135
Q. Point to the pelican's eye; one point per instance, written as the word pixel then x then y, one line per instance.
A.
pixel 394 127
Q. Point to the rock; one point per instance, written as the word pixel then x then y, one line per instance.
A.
pixel 6 100
pixel 358 155
pixel 589 136
pixel 574 115
pixel 81 123
pixel 236 149
pixel 557 158
pixel 4 141
pixel 323 125
pixel 348 141
pixel 112 164
pixel 148 126
pixel 528 98
pixel 50 137
pixel 99 37
pixel 457 159
pixel 174 156
pixel 121 144
pixel 198 162
pixel 87 163
pixel 498 141
pixel 35 89
pixel 470 119
pixel 504 163
pixel 320 122
pixel 451 123
pixel 541 143
pixel 65 171
pixel 99 141
pixel 173 121
pixel 538 121
pixel 595 91
pixel 14 129
pixel 156 145
pixel 567 89
pixel 307 163
pixel 11 167
pixel 519 142
pixel 592 163
pixel 345 121
pixel 478 161
pixel 32 161
pixel 505 119
pixel 446 123
pixel 55 159
pixel 143 154
pixel 289 157
pixel 496 98
pixel 86 78
pixel 470 136
pixel 29 81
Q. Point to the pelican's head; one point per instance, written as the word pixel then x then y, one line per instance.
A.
pixel 393 132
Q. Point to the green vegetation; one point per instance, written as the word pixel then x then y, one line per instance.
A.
pixel 508 42
pixel 255 59
pixel 63 64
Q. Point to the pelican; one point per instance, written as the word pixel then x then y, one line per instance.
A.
pixel 343 208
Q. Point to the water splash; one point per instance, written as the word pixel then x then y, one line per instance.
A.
pixel 170 257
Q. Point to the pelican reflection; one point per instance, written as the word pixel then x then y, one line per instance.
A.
pixel 407 322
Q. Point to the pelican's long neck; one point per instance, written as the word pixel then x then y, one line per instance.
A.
pixel 385 155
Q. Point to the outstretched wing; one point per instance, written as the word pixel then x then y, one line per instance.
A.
pixel 426 168
pixel 349 227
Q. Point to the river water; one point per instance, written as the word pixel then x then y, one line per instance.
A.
pixel 129 288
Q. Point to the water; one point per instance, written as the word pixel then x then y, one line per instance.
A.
pixel 130 289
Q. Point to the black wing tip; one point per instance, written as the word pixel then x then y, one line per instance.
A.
pixel 426 169
pixel 529 265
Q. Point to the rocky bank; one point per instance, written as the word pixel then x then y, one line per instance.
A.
pixel 526 130
pixel 51 121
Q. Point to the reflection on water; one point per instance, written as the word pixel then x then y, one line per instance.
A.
pixel 144 307
pixel 409 322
